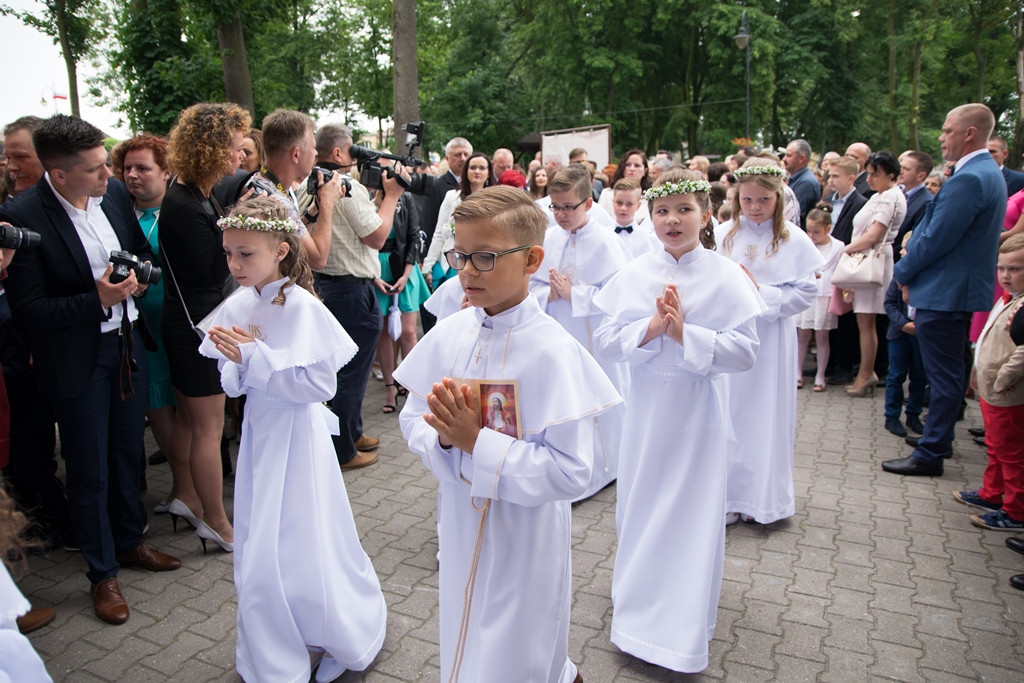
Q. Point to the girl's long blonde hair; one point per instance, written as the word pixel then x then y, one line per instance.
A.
pixel 295 264
pixel 771 183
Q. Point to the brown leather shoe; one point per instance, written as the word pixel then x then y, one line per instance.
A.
pixel 35 619
pixel 366 443
pixel 579 677
pixel 108 602
pixel 362 459
pixel 148 558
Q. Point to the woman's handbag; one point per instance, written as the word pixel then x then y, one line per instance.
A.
pixel 394 319
pixel 861 269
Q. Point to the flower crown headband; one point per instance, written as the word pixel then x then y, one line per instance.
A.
pixel 258 224
pixel 759 170
pixel 682 187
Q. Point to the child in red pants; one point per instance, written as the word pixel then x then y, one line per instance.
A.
pixel 998 369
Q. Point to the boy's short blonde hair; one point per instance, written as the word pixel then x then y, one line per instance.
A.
pixel 508 209
pixel 572 178
pixel 844 165
pixel 626 185
pixel 1012 243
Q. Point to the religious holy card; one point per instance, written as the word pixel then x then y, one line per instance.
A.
pixel 499 404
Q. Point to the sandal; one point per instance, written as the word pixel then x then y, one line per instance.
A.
pixel 818 388
pixel 390 407
pixel 799 384
pixel 402 391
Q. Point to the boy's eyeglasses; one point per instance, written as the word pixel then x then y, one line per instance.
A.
pixel 566 208
pixel 483 261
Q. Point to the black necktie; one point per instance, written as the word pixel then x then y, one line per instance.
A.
pixel 626 228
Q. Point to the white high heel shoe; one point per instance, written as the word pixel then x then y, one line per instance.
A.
pixel 179 509
pixel 206 533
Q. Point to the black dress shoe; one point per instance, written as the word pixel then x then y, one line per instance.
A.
pixel 911 440
pixel 1017 581
pixel 976 431
pixel 980 440
pixel 1016 543
pixel 841 377
pixel 915 425
pixel 911 466
pixel 894 426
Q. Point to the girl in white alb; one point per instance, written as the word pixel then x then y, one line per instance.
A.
pixel 816 321
pixel 306 589
pixel 781 260
pixel 681 318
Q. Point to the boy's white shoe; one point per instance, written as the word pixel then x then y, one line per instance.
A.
pixel 329 669
pixel 731 518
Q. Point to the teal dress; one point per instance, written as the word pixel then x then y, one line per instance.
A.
pixel 412 296
pixel 160 392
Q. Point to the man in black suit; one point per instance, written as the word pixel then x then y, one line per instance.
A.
pixel 846 201
pixel 999 151
pixel 457 151
pixel 914 168
pixel 87 341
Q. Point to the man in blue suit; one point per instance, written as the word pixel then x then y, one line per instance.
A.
pixel 949 272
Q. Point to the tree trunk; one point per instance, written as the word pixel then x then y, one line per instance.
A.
pixel 235 63
pixel 405 80
pixel 70 62
pixel 1014 160
pixel 894 133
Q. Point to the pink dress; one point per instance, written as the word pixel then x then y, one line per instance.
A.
pixel 1014 209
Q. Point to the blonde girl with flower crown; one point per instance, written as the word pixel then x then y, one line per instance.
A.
pixel 307 593
pixel 781 260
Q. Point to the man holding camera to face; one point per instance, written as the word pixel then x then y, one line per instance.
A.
pixel 87 341
pixel 345 283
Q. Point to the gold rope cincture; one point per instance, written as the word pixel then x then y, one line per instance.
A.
pixel 467 595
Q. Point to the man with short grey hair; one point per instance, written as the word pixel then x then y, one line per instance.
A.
pixel 801 180
pixel 502 161
pixel 345 283
pixel 456 152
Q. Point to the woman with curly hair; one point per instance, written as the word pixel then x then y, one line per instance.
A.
pixel 632 164
pixel 206 144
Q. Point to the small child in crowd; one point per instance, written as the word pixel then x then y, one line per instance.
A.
pixel 904 360
pixel 579 258
pixel 997 374
pixel 307 591
pixel 637 238
pixel 681 318
pixel 503 513
pixel 817 320
pixel 781 260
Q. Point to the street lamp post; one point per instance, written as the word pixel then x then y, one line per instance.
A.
pixel 743 42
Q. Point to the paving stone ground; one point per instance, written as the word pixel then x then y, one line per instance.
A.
pixel 876 577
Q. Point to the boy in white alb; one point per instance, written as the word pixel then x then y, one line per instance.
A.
pixel 637 238
pixel 503 515
pixel 579 257
pixel 681 318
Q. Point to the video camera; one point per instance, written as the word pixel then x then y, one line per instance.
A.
pixel 372 173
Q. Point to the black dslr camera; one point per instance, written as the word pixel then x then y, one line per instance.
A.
pixel 372 173
pixel 313 182
pixel 146 273
pixel 18 238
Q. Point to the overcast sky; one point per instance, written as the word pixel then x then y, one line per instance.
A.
pixel 34 68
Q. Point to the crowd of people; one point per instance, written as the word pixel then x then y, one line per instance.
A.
pixel 223 271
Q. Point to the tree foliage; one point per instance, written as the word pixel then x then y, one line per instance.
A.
pixel 663 73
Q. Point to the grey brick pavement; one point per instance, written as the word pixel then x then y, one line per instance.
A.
pixel 876 577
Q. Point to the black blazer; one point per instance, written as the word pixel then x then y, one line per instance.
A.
pixel 1014 181
pixel 51 289
pixel 402 246
pixel 842 225
pixel 428 221
pixel 916 205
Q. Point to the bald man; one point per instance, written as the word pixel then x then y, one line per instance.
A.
pixel 947 274
pixel 861 152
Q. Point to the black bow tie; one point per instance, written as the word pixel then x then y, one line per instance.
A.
pixel 626 228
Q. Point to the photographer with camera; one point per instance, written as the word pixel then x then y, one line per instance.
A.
pixel 87 341
pixel 345 283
